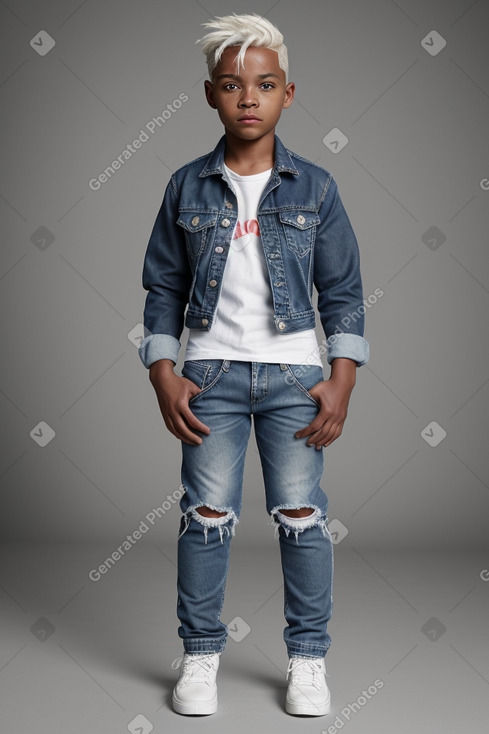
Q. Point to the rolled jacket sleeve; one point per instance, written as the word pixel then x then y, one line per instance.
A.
pixel 338 281
pixel 158 346
pixel 167 278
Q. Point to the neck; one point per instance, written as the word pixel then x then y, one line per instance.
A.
pixel 246 157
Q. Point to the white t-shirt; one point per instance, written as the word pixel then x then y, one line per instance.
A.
pixel 243 327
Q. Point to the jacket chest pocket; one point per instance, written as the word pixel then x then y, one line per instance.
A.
pixel 198 228
pixel 299 228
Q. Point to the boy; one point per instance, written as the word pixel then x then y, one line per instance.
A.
pixel 241 237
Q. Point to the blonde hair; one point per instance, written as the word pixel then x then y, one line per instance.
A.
pixel 244 31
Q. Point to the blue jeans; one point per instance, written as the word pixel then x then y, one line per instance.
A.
pixel 277 397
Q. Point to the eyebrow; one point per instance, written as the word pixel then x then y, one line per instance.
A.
pixel 235 76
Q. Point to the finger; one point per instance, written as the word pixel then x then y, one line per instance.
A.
pixel 325 440
pixel 314 426
pixel 180 429
pixel 192 420
pixel 325 434
pixel 184 434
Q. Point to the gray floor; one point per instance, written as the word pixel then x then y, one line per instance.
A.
pixel 82 656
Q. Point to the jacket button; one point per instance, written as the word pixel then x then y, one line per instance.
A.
pixel 205 322
pixel 219 249
pixel 225 223
pixel 301 219
pixel 228 205
pixel 195 221
pixel 213 283
pixel 281 325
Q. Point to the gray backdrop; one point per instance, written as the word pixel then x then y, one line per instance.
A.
pixel 86 459
pixel 406 83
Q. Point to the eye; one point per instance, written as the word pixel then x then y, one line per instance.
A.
pixel 230 84
pixel 267 84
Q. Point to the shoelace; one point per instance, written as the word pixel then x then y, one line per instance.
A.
pixel 304 671
pixel 196 667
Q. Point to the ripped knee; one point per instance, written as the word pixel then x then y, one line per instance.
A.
pixel 209 518
pixel 299 519
pixel 209 512
pixel 300 512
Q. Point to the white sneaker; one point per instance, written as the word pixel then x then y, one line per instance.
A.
pixel 308 693
pixel 196 689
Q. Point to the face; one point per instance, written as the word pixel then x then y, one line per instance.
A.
pixel 249 104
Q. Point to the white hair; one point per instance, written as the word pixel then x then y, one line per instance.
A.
pixel 244 31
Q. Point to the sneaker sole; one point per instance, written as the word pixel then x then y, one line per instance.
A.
pixel 196 708
pixel 303 709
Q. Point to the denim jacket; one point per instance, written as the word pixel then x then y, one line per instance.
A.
pixel 307 241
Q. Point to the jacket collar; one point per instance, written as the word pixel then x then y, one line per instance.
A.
pixel 215 162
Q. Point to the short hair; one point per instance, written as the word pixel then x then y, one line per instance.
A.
pixel 244 31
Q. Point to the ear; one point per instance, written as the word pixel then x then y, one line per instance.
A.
pixel 209 94
pixel 289 94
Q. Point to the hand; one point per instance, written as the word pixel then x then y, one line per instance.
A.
pixel 333 396
pixel 173 393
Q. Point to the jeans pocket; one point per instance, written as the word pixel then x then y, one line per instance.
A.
pixel 203 373
pixel 305 376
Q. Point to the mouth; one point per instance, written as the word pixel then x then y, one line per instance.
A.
pixel 249 118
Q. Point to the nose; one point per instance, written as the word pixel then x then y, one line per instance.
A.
pixel 248 98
